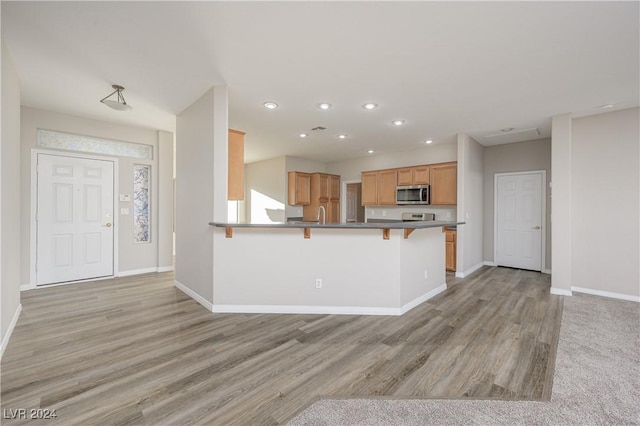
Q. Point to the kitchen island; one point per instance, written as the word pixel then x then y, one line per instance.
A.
pixel 341 269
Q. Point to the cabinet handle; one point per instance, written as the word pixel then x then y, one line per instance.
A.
pixel 535 227
pixel 108 225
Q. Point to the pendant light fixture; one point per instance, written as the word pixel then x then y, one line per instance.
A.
pixel 119 104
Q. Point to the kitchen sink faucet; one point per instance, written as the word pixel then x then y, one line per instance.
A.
pixel 324 215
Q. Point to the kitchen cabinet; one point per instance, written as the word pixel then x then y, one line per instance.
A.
pixel 235 165
pixel 299 189
pixel 387 183
pixel 450 254
pixel 369 188
pixel 379 187
pixel 418 175
pixel 325 192
pixel 444 184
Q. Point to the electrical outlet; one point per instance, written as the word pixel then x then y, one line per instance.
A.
pixel 384 212
pixel 448 215
pixel 426 274
pixel 318 282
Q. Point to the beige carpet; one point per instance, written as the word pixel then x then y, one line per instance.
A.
pixel 596 381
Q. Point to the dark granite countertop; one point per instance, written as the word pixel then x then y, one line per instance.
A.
pixel 350 225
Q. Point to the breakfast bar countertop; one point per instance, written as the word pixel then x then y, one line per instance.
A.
pixel 349 225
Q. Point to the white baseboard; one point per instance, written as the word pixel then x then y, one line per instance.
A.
pixel 419 300
pixel 546 271
pixel 25 287
pixel 469 271
pixel 12 325
pixel 137 272
pixel 165 268
pixel 327 310
pixel 487 263
pixel 302 309
pixel 195 296
pixel 560 291
pixel 606 294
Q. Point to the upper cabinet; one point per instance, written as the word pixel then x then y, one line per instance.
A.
pixel 379 186
pixel 235 171
pixel 299 189
pixel 418 175
pixel 444 184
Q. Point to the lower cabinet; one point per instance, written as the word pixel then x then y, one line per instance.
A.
pixel 450 256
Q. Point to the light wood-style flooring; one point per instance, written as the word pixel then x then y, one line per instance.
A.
pixel 138 351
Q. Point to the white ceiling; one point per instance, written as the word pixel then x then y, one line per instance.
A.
pixel 444 67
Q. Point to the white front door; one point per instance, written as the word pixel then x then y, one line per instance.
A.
pixel 74 219
pixel 519 220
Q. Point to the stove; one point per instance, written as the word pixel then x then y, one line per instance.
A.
pixel 415 217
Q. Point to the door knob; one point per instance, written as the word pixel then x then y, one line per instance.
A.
pixel 535 227
pixel 108 225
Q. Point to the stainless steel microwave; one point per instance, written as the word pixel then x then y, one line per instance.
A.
pixel 413 194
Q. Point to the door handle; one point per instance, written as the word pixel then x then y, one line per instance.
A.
pixel 535 227
pixel 108 225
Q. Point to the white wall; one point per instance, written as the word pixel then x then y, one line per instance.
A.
pixel 165 200
pixel 351 169
pixel 561 216
pixel 132 256
pixel 265 191
pixel 470 236
pixel 266 270
pixel 194 197
pixel 605 203
pixel 10 214
pixel 514 157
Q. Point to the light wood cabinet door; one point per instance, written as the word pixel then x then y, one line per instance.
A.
pixel 333 211
pixel 451 257
pixel 405 176
pixel 387 183
pixel 235 165
pixel 322 185
pixel 369 188
pixel 334 188
pixel 418 175
pixel 450 254
pixel 421 175
pixel 444 184
pixel 299 189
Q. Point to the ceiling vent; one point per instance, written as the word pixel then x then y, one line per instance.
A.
pixel 512 136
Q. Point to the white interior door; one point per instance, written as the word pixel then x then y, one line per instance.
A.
pixel 519 220
pixel 74 219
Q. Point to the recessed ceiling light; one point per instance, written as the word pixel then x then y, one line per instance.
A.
pixel 428 141
pixel 342 136
pixel 270 105
pixel 507 129
pixel 606 106
pixel 370 106
pixel 397 122
pixel 370 151
pixel 303 135
pixel 324 105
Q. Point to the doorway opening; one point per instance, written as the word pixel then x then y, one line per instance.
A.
pixel 354 207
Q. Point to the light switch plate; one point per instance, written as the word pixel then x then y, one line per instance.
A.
pixel 124 210
pixel 125 197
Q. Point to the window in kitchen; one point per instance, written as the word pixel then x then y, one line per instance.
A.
pixel 141 203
